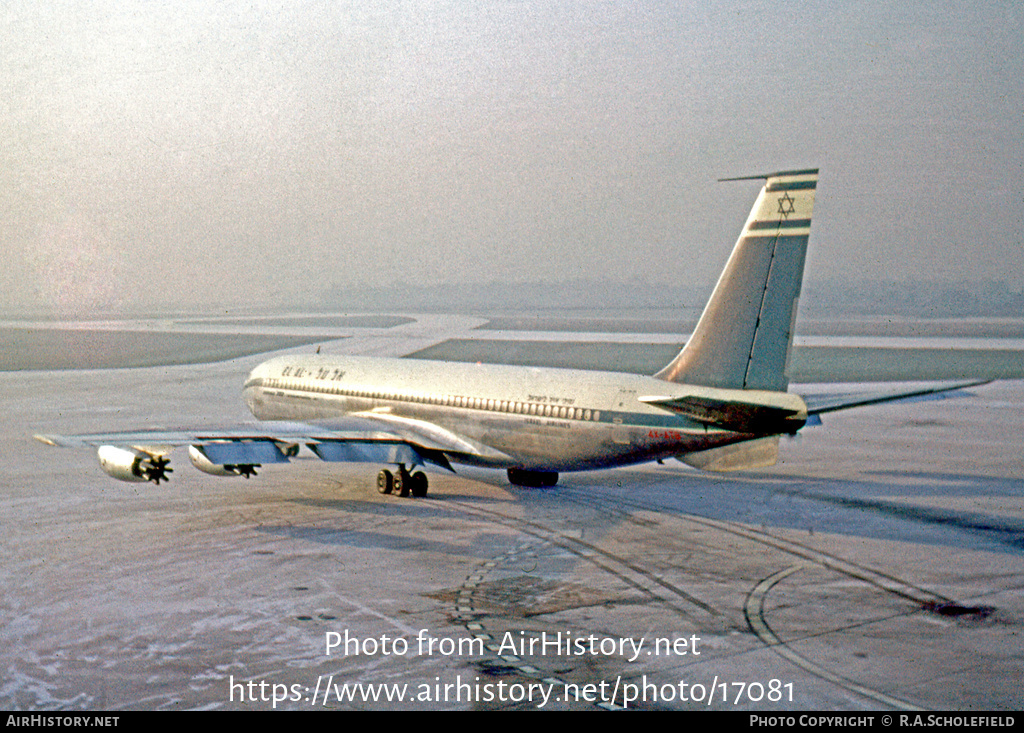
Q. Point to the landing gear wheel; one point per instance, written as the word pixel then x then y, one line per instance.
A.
pixel 419 484
pixel 385 482
pixel 402 482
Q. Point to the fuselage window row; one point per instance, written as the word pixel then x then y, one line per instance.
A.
pixel 563 412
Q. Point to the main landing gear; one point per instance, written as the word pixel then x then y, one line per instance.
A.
pixel 402 482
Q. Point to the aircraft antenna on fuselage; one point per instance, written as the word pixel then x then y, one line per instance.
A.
pixel 744 337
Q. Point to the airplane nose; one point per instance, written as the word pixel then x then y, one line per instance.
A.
pixel 252 391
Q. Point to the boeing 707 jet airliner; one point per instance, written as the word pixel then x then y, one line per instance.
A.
pixel 721 404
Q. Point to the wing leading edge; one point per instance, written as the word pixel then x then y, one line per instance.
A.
pixel 821 403
pixel 279 442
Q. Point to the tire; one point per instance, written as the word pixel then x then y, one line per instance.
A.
pixel 385 482
pixel 419 484
pixel 401 483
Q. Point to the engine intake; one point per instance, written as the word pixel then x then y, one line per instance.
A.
pixel 134 465
pixel 204 464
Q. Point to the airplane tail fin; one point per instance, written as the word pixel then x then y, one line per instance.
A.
pixel 744 336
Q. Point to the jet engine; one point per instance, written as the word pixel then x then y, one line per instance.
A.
pixel 204 464
pixel 134 465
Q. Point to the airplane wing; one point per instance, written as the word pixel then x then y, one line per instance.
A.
pixel 375 438
pixel 818 404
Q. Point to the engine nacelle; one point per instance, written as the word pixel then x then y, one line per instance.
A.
pixel 133 465
pixel 200 461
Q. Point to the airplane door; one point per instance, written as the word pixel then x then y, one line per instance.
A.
pixel 621 406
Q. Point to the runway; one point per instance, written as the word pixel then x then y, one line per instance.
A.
pixel 879 566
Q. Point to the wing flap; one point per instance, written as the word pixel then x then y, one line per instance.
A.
pixel 360 451
pixel 354 450
pixel 251 452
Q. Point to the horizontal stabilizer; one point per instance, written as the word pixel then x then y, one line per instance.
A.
pixel 819 404
pixel 742 411
pixel 742 417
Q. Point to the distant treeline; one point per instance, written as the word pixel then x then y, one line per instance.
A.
pixel 819 299
pixel 991 298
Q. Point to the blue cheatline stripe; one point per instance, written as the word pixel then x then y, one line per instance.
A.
pixel 781 224
pixel 791 185
pixel 793 239
pixel 634 420
pixel 628 419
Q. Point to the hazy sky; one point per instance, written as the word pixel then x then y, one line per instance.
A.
pixel 244 152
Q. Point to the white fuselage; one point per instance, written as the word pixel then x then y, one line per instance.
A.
pixel 501 416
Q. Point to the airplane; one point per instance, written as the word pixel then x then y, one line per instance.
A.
pixel 721 404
